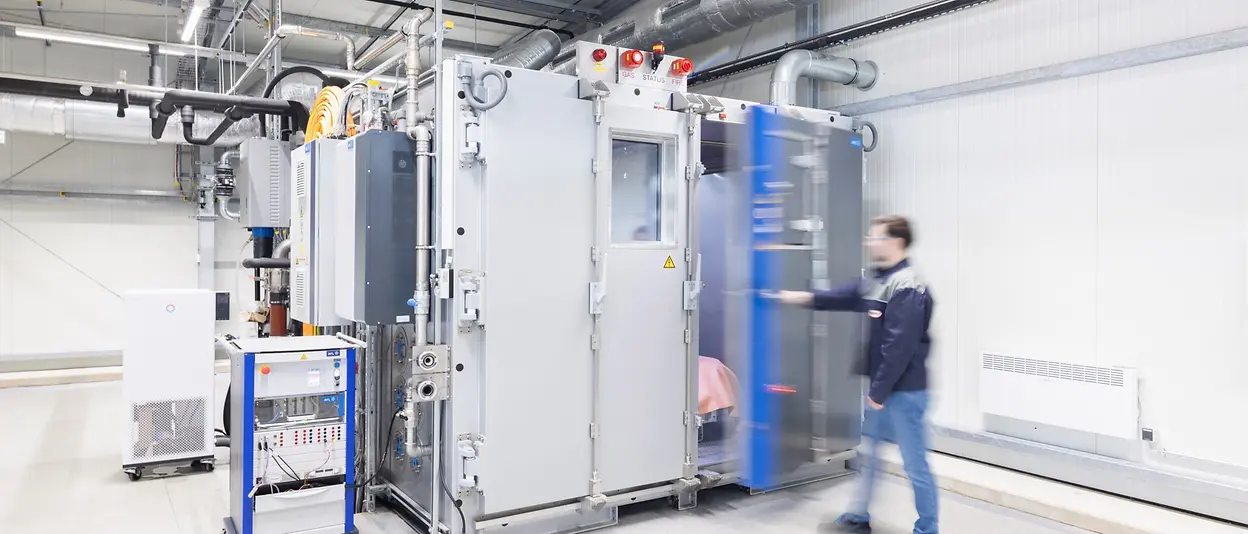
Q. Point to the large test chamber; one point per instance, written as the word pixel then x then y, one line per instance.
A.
pixel 587 263
pixel 557 283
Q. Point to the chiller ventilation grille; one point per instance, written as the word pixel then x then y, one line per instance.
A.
pixel 168 429
pixel 1105 376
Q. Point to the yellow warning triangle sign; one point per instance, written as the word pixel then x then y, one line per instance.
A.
pixel 304 357
pixel 669 264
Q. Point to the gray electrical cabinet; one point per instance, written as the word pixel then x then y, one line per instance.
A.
pixel 376 173
pixel 261 182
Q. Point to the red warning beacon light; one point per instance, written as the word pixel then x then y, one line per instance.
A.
pixel 682 67
pixel 599 55
pixel 632 59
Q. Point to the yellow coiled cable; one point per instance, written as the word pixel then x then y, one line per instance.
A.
pixel 324 115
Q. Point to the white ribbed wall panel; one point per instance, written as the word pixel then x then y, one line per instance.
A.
pixel 1101 220
pixel 1082 220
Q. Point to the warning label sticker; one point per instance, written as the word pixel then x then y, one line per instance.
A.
pixel 669 264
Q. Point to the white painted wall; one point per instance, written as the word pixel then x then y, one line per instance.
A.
pixel 52 249
pixel 1099 220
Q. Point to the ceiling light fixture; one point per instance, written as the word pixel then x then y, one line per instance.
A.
pixel 80 39
pixel 192 20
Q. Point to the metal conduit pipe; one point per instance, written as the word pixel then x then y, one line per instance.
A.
pixel 529 53
pixel 679 23
pixel 282 250
pixel 295 29
pixel 424 142
pixel 797 64
pixel 375 53
pixel 255 64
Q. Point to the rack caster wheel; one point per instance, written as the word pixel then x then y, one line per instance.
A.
pixel 201 465
pixel 135 475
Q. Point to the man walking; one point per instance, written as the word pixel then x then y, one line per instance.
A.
pixel 899 307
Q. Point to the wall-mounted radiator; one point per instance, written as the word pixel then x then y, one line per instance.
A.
pixel 1100 400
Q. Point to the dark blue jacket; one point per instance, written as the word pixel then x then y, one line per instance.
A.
pixel 899 307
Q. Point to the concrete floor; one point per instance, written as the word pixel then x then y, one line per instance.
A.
pixel 60 461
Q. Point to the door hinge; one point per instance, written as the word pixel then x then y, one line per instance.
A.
pixel 688 336
pixel 594 342
pixel 686 417
pixel 593 431
pixel 593 164
pixel 688 172
pixel 688 254
pixel 594 254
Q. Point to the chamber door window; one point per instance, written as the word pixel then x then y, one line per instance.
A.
pixel 636 191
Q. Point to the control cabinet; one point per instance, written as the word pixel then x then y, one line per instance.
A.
pixel 376 230
pixel 314 185
pixel 293 453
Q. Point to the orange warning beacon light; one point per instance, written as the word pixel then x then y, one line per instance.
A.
pixel 657 51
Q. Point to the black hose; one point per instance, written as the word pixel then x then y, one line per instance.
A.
pixel 232 115
pixel 268 89
pixel 266 263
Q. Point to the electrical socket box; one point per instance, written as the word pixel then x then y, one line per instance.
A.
pixel 261 180
pixel 315 188
pixel 376 227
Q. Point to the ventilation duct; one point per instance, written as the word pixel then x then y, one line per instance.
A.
pixel 680 23
pixel 796 64
pixel 533 52
pixel 96 121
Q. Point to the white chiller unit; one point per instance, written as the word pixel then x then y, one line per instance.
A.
pixel 167 379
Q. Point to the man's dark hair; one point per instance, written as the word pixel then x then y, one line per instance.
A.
pixel 897 227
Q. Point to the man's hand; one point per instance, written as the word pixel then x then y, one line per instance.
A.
pixel 874 405
pixel 795 298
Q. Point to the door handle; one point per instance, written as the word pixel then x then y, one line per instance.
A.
pixel 693 288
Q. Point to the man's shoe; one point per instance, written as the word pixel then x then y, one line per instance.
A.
pixel 848 525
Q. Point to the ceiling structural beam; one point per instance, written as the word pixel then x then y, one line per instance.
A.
pixel 533 9
pixel 492 20
pixel 564 5
pixel 239 11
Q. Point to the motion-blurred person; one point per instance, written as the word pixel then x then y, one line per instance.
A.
pixel 899 306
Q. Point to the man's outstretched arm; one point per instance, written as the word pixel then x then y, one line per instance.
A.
pixel 844 298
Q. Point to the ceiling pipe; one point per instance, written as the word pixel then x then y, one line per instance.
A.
pixel 797 64
pixel 679 23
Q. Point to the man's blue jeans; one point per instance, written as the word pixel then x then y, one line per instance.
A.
pixel 904 422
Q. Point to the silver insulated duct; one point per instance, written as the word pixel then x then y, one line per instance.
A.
pixel 680 23
pixel 96 121
pixel 533 52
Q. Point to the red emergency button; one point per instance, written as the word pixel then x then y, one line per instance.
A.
pixel 264 369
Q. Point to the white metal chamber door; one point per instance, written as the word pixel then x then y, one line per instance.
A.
pixel 644 260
